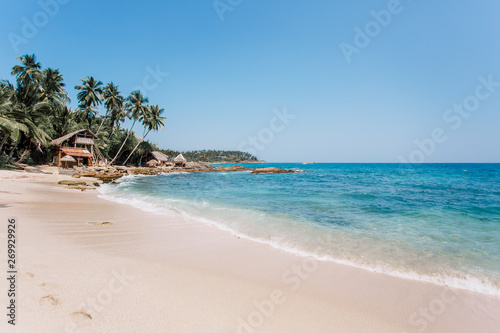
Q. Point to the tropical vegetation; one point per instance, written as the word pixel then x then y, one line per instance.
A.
pixel 35 109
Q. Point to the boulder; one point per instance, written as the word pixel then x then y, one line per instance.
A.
pixel 31 169
pixel 232 168
pixel 270 170
pixel 72 183
pixel 109 179
pixel 88 174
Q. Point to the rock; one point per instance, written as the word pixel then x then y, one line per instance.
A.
pixel 20 165
pixel 82 188
pixel 190 170
pixel 68 172
pixel 96 184
pixel 76 175
pixel 88 174
pixel 109 179
pixel 232 168
pixel 191 165
pixel 72 183
pixel 270 170
pixel 31 169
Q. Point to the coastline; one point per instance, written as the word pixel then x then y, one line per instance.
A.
pixel 186 276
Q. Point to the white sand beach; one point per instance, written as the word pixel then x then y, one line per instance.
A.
pixel 143 272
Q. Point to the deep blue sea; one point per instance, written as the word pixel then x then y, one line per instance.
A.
pixel 432 222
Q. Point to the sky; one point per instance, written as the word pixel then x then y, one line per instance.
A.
pixel 290 81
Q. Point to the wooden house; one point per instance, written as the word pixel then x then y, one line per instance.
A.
pixel 79 145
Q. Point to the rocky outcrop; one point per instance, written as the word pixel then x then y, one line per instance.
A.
pixel 72 183
pixel 270 170
pixel 232 168
pixel 111 173
pixel 79 185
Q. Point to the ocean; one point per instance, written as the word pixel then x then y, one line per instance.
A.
pixel 434 222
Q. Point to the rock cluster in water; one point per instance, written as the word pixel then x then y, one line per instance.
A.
pixel 111 173
pixel 108 174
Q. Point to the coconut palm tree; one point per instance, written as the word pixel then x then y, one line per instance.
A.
pixel 112 101
pixel 118 116
pixel 52 88
pixel 136 107
pixel 66 121
pixel 9 125
pixel 89 97
pixel 27 74
pixel 152 121
pixel 16 121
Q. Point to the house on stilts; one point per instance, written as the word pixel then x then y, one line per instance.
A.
pixel 76 149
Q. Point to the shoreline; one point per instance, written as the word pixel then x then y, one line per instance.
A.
pixel 189 276
pixel 475 284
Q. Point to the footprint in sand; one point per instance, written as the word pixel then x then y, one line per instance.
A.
pixel 81 317
pixel 49 300
pixel 48 286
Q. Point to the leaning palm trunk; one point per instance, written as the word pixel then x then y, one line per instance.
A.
pixel 26 150
pixel 141 140
pixel 123 144
pixel 3 141
pixel 112 132
pixel 99 128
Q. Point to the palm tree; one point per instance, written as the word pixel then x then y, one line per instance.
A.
pixel 136 107
pixel 152 121
pixel 118 116
pixel 9 126
pixel 16 121
pixel 52 88
pixel 90 96
pixel 113 101
pixel 27 74
pixel 65 121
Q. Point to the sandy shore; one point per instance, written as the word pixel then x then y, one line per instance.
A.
pixel 150 273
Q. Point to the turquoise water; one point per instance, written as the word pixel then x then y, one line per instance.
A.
pixel 434 222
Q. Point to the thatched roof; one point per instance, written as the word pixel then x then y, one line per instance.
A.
pixel 152 163
pixel 59 141
pixel 68 158
pixel 180 159
pixel 159 156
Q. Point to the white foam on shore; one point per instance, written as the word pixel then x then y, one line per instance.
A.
pixel 468 283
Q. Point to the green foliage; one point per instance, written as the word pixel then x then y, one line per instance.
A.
pixel 35 110
pixel 212 156
pixel 6 161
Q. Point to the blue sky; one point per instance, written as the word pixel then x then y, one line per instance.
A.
pixel 228 79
